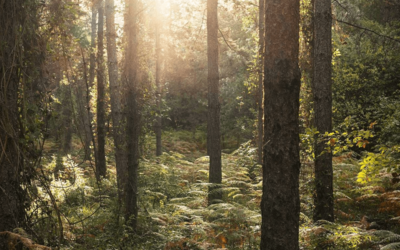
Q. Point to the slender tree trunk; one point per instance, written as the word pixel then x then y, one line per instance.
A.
pixel 280 205
pixel 67 118
pixel 323 196
pixel 92 67
pixel 86 114
pixel 214 106
pixel 158 92
pixel 132 126
pixel 101 133
pixel 115 95
pixel 261 25
pixel 84 123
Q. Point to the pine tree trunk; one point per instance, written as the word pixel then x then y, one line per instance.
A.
pixel 115 95
pixel 214 106
pixel 67 118
pixel 101 133
pixel 280 205
pixel 158 92
pixel 84 102
pixel 323 196
pixel 12 211
pixel 133 119
pixel 92 67
pixel 261 21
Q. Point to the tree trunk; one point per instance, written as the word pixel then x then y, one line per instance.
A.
pixel 115 95
pixel 101 133
pixel 12 16
pixel 323 196
pixel 158 92
pixel 214 106
pixel 261 25
pixel 132 126
pixel 67 118
pixel 92 66
pixel 280 205
pixel 85 105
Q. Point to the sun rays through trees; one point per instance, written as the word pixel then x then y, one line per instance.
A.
pixel 218 124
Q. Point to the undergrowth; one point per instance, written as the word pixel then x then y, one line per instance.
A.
pixel 71 210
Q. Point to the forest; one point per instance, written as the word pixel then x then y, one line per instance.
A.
pixel 201 124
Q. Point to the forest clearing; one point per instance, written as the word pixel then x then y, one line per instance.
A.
pixel 199 125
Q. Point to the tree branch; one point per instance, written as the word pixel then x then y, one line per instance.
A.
pixel 366 29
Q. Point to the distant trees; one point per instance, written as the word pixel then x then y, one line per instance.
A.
pixel 322 90
pixel 214 106
pixel 280 205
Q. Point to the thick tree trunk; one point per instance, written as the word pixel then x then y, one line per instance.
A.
pixel 214 106
pixel 101 132
pixel 280 206
pixel 323 196
pixel 158 92
pixel 115 95
pixel 11 209
pixel 11 161
pixel 261 21
pixel 133 119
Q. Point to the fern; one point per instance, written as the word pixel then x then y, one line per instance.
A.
pixel 390 239
pixel 341 195
pixel 391 246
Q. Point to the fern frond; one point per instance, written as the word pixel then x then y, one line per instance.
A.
pixel 391 246
pixel 382 234
pixel 341 195
pixel 390 239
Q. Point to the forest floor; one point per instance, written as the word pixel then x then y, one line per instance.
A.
pixel 173 203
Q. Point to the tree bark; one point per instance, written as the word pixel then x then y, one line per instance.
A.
pixel 214 106
pixel 12 16
pixel 261 21
pixel 133 118
pixel 323 196
pixel 158 92
pixel 92 67
pixel 85 105
pixel 101 132
pixel 280 205
pixel 115 95
pixel 67 118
